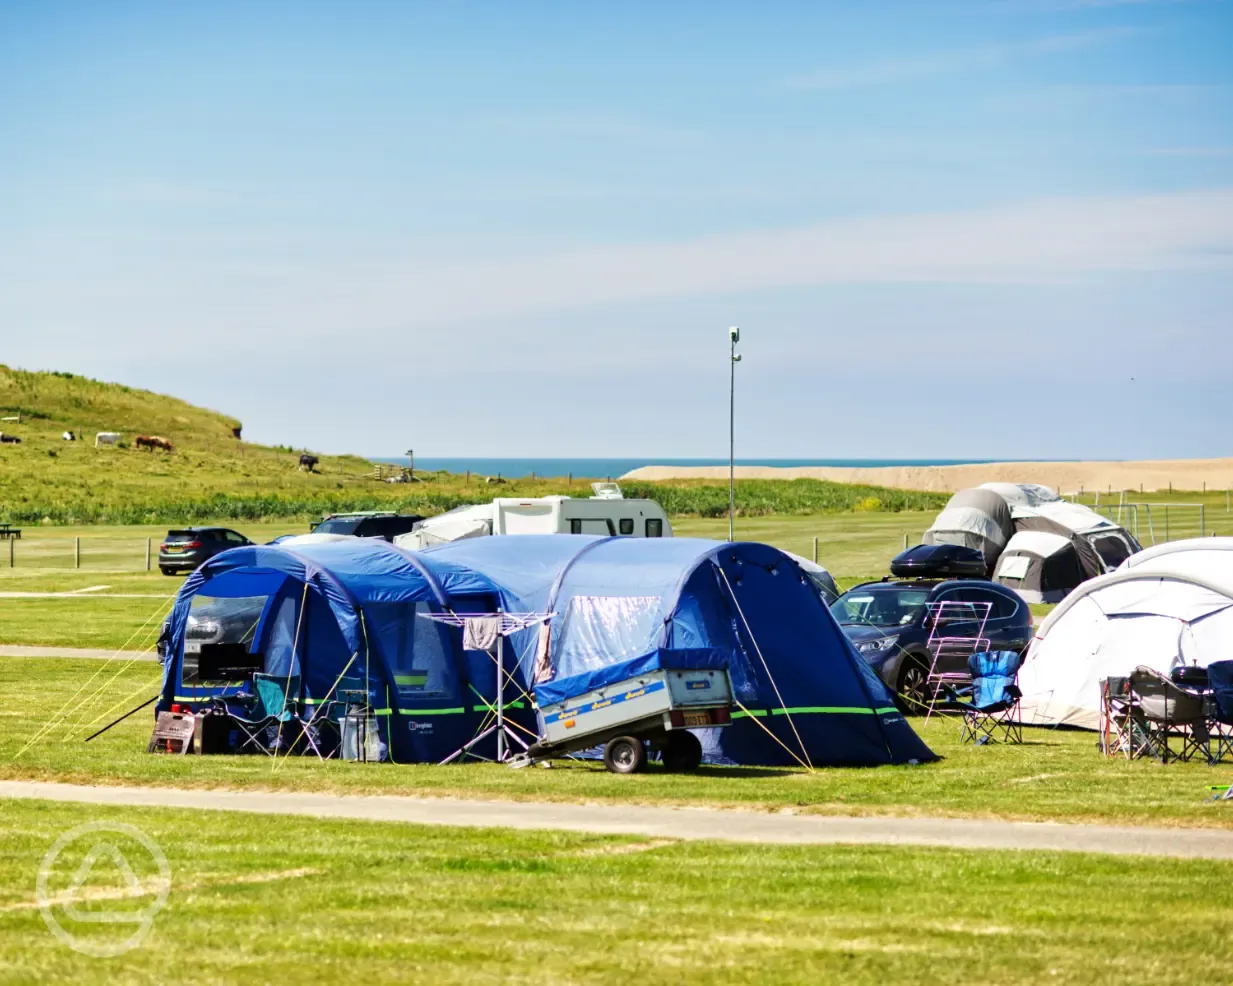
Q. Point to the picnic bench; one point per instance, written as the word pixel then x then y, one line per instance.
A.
pixel 9 533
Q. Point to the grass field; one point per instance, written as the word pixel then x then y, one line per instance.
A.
pixel 1054 775
pixel 325 901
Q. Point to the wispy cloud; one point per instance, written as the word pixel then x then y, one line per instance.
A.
pixel 981 57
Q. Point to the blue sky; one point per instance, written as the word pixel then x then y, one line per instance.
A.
pixel 990 230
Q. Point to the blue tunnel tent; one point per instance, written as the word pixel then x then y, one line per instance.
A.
pixel 348 618
pixel 805 695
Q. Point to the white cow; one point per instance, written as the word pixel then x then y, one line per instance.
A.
pixel 106 438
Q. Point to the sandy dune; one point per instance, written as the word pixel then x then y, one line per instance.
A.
pixel 1183 474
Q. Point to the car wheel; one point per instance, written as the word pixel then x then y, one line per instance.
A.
pixel 913 689
pixel 682 752
pixel 166 571
pixel 624 755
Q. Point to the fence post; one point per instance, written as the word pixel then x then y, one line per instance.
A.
pixel 815 549
pixel 77 552
pixel 147 554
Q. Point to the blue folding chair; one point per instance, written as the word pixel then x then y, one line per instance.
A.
pixel 1220 710
pixel 994 710
pixel 273 701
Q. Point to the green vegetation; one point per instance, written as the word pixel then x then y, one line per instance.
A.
pixel 1055 775
pixel 322 901
pixel 212 474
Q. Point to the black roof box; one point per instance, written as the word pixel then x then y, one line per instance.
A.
pixel 940 561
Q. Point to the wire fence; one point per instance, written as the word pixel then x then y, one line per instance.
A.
pixel 101 553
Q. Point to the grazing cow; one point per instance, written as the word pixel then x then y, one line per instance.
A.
pixel 68 436
pixel 9 439
pixel 153 442
pixel 308 462
pixel 235 432
pixel 106 438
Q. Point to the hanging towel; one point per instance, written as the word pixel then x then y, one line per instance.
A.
pixel 480 633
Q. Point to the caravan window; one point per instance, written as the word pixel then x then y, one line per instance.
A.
pixel 627 525
pixel 575 526
pixel 655 528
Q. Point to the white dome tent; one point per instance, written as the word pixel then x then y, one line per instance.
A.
pixel 1167 606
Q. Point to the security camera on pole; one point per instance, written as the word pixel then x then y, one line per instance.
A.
pixel 734 336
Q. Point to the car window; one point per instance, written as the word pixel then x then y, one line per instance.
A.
pixel 965 604
pixel 235 538
pixel 880 606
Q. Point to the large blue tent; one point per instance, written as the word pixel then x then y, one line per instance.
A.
pixel 351 619
pixel 805 695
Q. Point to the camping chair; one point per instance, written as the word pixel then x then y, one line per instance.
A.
pixel 1116 721
pixel 1220 710
pixel 1168 722
pixel 994 710
pixel 272 701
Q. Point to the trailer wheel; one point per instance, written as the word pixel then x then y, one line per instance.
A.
pixel 624 755
pixel 682 752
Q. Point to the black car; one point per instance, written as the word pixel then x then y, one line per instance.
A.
pixel 891 622
pixel 186 548
pixel 369 524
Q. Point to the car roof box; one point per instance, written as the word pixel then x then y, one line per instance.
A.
pixel 933 561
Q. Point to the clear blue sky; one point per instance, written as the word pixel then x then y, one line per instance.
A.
pixel 999 229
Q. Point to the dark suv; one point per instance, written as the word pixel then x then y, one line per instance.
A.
pixel 893 621
pixel 186 548
pixel 370 524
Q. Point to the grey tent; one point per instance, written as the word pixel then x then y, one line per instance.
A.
pixel 1079 545
pixel 1058 545
pixel 1041 566
pixel 974 518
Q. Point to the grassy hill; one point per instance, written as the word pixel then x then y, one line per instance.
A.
pixel 212 474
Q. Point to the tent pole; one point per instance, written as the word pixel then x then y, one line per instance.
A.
pixel 500 696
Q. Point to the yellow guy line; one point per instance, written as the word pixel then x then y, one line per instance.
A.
pixel 54 721
pixel 754 640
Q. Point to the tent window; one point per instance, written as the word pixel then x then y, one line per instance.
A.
pixel 654 528
pixel 1014 567
pixel 600 629
pixel 1112 549
pixel 627 525
pixel 419 651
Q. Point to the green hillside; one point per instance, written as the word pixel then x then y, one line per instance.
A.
pixel 212 474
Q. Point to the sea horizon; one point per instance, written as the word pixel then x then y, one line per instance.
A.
pixel 603 468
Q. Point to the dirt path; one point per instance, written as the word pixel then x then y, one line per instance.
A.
pixel 675 823
pixel 101 653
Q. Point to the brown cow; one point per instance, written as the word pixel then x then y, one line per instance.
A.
pixel 153 442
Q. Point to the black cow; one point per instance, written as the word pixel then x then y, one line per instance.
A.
pixel 9 439
pixel 308 462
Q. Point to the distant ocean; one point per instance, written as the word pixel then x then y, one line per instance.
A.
pixel 602 468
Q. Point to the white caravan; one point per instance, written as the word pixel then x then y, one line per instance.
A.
pixel 606 513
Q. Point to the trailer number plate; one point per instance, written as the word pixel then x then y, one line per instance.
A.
pixel 697 718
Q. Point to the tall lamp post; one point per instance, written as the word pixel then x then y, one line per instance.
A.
pixel 734 336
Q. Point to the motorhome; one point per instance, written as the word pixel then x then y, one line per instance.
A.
pixel 605 513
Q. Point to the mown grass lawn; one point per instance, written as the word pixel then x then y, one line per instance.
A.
pixel 1054 775
pixel 284 899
